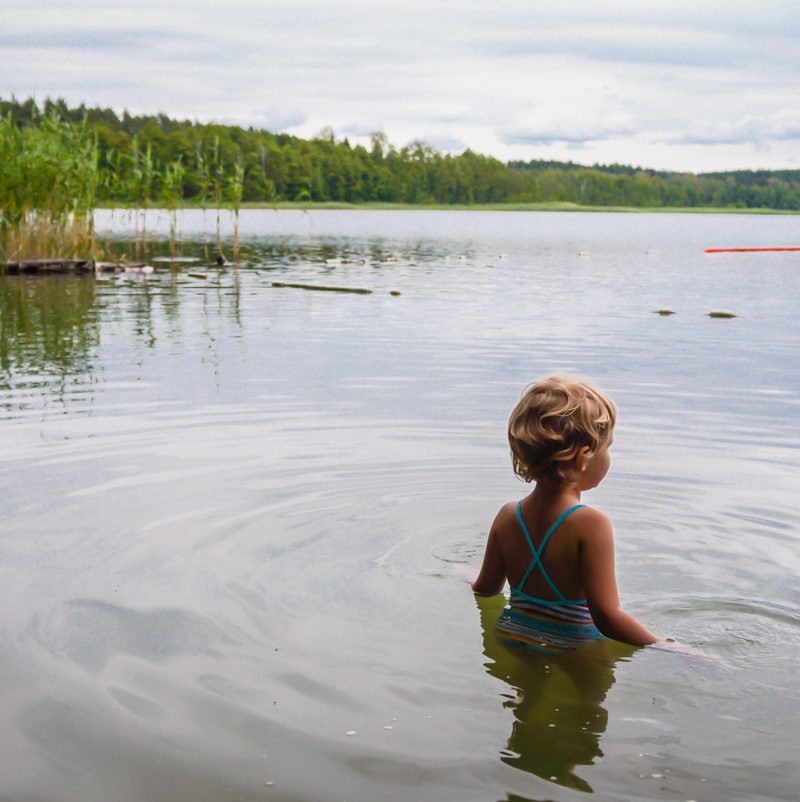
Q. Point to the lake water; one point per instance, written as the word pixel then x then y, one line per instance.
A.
pixel 231 512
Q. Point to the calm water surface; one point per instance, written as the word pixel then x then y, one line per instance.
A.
pixel 231 512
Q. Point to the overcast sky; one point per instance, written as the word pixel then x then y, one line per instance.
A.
pixel 700 85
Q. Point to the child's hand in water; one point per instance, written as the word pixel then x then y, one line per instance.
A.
pixel 466 573
pixel 692 655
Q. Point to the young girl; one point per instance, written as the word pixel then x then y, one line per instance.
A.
pixel 556 553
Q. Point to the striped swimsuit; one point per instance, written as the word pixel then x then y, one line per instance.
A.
pixel 544 626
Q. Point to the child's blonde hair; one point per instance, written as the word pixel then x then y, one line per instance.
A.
pixel 552 422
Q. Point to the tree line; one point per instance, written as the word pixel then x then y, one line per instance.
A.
pixel 153 159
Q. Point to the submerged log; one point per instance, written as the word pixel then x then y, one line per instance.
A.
pixel 49 266
pixel 117 267
pixel 321 287
pixel 72 266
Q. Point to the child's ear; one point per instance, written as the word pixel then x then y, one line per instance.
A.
pixel 583 458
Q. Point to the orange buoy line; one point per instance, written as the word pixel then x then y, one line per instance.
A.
pixel 746 250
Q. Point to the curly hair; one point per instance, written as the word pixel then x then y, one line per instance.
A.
pixel 552 422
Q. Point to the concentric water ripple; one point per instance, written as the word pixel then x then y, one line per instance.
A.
pixel 232 513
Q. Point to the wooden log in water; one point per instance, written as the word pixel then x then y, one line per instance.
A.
pixel 49 266
pixel 321 287
pixel 33 266
pixel 118 267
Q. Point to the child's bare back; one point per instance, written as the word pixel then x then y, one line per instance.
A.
pixel 556 553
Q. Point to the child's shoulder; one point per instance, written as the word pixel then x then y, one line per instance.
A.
pixel 506 513
pixel 505 519
pixel 589 520
pixel 583 520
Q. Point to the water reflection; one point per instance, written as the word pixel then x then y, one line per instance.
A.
pixel 557 702
pixel 60 333
pixel 46 323
pixel 172 438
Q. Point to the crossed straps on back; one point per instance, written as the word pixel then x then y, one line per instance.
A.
pixel 537 553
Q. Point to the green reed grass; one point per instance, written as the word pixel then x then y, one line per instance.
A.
pixel 235 186
pixel 53 177
pixel 48 189
pixel 170 197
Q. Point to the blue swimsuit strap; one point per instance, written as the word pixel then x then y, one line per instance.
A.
pixel 537 553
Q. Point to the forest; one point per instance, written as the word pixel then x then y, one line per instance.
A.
pixel 144 160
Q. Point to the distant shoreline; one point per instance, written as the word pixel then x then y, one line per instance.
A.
pixel 552 206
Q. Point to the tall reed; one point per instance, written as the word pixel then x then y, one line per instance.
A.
pixel 218 183
pixel 171 196
pixel 203 177
pixel 235 193
pixel 140 188
pixel 48 189
pixel 52 178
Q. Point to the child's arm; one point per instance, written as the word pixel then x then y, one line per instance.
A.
pixel 492 575
pixel 600 585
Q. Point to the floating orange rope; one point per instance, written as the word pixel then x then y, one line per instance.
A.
pixel 746 250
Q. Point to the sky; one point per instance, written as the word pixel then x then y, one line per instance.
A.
pixel 665 84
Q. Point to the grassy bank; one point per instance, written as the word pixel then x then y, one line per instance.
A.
pixel 552 206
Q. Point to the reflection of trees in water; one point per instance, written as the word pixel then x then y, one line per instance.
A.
pixel 556 701
pixel 378 251
pixel 48 330
pixel 52 326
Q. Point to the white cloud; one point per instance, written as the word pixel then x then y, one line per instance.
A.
pixel 749 129
pixel 678 85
